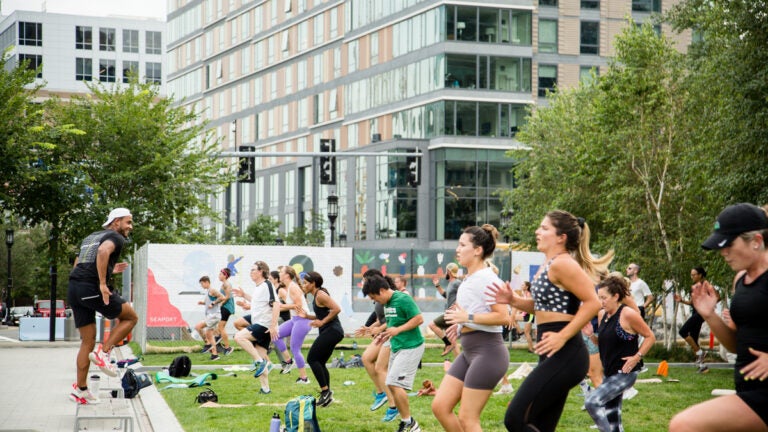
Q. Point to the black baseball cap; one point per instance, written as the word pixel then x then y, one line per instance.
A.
pixel 733 221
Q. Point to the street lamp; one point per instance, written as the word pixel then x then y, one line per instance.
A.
pixel 9 243
pixel 506 219
pixel 333 212
pixel 342 239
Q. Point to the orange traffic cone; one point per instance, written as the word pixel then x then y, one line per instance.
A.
pixel 663 369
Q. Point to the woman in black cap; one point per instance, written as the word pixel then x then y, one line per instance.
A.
pixel 741 236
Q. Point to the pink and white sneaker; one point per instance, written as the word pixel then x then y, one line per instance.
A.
pixel 102 361
pixel 83 397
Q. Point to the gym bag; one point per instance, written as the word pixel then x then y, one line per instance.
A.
pixel 180 366
pixel 300 415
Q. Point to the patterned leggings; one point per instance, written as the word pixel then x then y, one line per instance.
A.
pixel 604 402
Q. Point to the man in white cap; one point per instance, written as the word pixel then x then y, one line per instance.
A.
pixel 90 292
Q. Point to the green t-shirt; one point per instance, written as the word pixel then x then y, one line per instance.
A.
pixel 399 310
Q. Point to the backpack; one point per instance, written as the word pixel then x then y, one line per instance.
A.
pixel 301 415
pixel 132 383
pixel 180 366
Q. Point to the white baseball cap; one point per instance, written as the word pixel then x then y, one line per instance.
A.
pixel 116 213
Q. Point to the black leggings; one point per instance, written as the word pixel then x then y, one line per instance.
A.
pixel 540 400
pixel 321 351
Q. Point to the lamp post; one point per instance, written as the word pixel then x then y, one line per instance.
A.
pixel 333 212
pixel 342 239
pixel 506 218
pixel 9 243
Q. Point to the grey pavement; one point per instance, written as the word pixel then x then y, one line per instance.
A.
pixel 37 378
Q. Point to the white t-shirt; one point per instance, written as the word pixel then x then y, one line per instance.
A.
pixel 289 300
pixel 261 311
pixel 471 296
pixel 639 290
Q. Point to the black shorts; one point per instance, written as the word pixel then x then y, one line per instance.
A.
pixel 85 300
pixel 261 334
pixel 225 314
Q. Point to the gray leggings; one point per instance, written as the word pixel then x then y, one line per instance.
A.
pixel 604 402
pixel 483 361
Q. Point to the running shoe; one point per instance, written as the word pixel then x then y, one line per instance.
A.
pixel 302 380
pixel 703 369
pixel 287 366
pixel 413 426
pixel 259 368
pixel 270 367
pixel 227 350
pixel 630 393
pixel 378 401
pixel 102 360
pixel 390 415
pixel 505 389
pixel 214 357
pixel 326 398
pixel 267 391
pixel 700 358
pixel 83 397
pixel 206 348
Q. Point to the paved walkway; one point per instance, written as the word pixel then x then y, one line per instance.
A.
pixel 37 378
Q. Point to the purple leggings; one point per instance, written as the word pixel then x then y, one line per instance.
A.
pixel 297 328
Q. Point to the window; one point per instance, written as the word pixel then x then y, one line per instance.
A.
pixel 107 70
pixel 154 72
pixel 590 4
pixel 585 74
pixel 547 36
pixel 319 29
pixel 83 38
pixel 106 39
pixel 34 61
pixel 547 79
pixel 130 70
pixel 83 69
pixel 131 41
pixel 30 33
pixel 646 5
pixel 548 3
pixel 590 37
pixel 154 42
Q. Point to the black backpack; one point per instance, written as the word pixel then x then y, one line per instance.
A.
pixel 180 367
pixel 132 383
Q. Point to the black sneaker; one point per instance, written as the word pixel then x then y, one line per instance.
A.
pixel 326 398
pixel 206 348
pixel 413 426
pixel 215 357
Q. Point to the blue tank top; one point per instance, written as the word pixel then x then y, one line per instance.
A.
pixel 547 297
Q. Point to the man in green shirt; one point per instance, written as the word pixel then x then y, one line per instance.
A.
pixel 403 321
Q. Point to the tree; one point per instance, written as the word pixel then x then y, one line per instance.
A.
pixel 261 231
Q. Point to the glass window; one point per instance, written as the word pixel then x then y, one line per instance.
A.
pixel 319 29
pixel 489 25
pixel 585 74
pixel 34 61
pixel 548 3
pixel 154 72
pixel 83 38
pixel 466 118
pixel 488 119
pixel 107 70
pixel 520 27
pixel 130 70
pixel 590 4
pixel 131 41
pixel 590 37
pixel 30 33
pixel 466 23
pixel 83 69
pixel 461 71
pixel 106 39
pixel 154 42
pixel 547 36
pixel 646 5
pixel 547 79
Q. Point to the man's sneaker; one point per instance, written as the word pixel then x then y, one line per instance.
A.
pixel 326 398
pixel 83 397
pixel 259 368
pixel 390 415
pixel 413 426
pixel 101 360
pixel 703 369
pixel 505 389
pixel 227 350
pixel 262 391
pixel 206 348
pixel 447 350
pixel 287 366
pixel 630 393
pixel 301 380
pixel 379 399
pixel 700 358
pixel 214 357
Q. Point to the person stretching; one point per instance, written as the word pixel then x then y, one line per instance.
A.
pixel 297 327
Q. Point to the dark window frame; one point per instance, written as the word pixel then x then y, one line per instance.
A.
pixel 30 33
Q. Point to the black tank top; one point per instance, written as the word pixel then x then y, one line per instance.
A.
pixel 748 307
pixel 615 343
pixel 321 312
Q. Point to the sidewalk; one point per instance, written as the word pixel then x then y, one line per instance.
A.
pixel 37 378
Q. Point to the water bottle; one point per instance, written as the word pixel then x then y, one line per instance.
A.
pixel 274 425
pixel 94 384
pixel 354 345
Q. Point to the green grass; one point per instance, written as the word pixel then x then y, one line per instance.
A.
pixel 650 410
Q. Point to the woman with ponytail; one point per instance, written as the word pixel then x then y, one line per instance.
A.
pixel 563 301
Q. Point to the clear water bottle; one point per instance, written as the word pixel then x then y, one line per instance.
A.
pixel 354 345
pixel 274 425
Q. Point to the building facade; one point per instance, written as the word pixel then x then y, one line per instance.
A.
pixel 70 50
pixel 450 80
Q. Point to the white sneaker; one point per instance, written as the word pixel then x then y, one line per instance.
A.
pixel 630 393
pixel 505 389
pixel 103 361
pixel 83 397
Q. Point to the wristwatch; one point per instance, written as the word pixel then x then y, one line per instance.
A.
pixel 471 318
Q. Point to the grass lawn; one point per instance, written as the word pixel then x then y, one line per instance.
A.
pixel 650 410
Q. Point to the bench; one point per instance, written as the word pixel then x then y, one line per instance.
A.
pixel 107 411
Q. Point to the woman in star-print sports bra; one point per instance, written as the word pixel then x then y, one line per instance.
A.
pixel 564 300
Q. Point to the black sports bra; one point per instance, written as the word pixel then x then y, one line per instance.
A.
pixel 547 297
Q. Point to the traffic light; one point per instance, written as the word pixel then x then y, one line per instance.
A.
pixel 246 171
pixel 328 163
pixel 414 170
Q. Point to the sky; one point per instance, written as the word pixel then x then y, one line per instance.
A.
pixel 133 8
